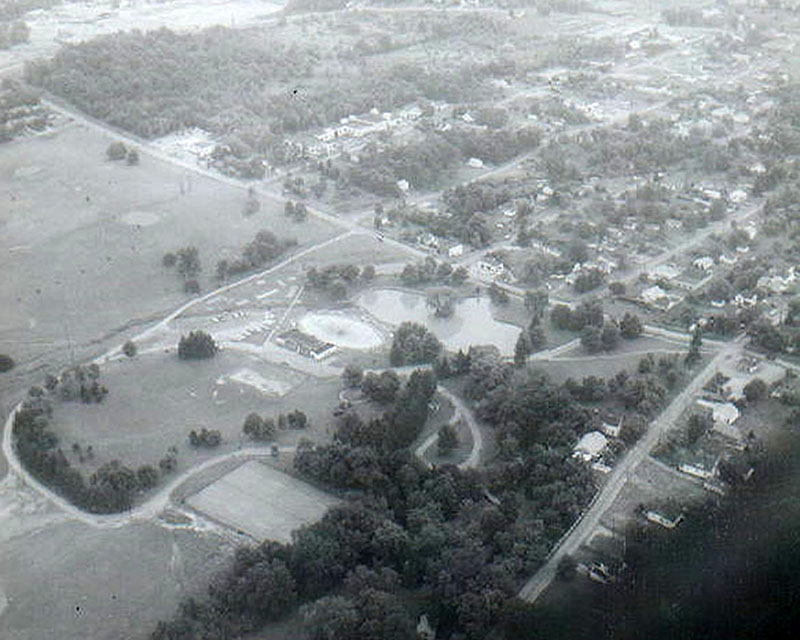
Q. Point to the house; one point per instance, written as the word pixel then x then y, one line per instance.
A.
pixel 721 412
pixel 664 521
pixel 655 296
pixel 696 471
pixel 456 251
pixel 475 163
pixel 428 240
pixel 728 260
pixel 403 185
pixel 424 629
pixel 706 263
pixel 665 271
pixel 490 269
pixel 590 446
pixel 611 425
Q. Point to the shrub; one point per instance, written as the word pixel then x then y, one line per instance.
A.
pixel 129 348
pixel 116 151
pixel 197 345
pixel 6 363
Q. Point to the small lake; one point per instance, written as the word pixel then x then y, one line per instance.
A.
pixel 471 324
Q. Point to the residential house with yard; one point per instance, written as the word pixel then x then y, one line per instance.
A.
pixel 590 446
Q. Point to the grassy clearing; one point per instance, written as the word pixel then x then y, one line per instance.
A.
pixel 179 397
pixel 70 206
pixel 102 583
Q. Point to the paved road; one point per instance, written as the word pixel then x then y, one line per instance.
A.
pixel 587 524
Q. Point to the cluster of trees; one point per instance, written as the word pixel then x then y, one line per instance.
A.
pixel 209 438
pixel 589 279
pixel 110 489
pixel 118 151
pixel 447 439
pixel 587 313
pixel 381 387
pixel 77 383
pixel 426 533
pixel 13 9
pixel 20 110
pixel 422 164
pixel 197 345
pixel 402 422
pixel 495 145
pixel 530 340
pixel 297 211
pixel 336 278
pixel 414 344
pixel 186 261
pixel 429 271
pixel 13 33
pixel 263 248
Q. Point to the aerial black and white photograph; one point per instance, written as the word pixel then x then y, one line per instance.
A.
pixel 399 319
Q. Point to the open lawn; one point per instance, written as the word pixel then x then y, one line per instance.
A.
pixel 155 400
pixel 104 227
pixel 103 584
pixel 261 501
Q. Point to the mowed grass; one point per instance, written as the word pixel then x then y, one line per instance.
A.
pixel 74 268
pixel 75 582
pixel 262 501
pixel 156 399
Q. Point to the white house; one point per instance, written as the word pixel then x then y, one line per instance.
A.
pixel 456 251
pixel 706 263
pixel 475 163
pixel 590 446
pixel 726 412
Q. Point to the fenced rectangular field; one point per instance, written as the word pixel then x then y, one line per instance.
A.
pixel 262 502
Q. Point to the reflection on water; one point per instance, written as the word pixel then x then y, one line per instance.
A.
pixel 471 323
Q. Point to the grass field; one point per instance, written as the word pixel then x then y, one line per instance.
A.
pixel 62 199
pixel 103 584
pixel 155 400
pixel 261 501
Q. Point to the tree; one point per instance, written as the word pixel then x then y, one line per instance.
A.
pixel 497 294
pixel 610 336
pixel 566 567
pixel 129 348
pixel 381 388
pixel 197 345
pixel 633 428
pixel 169 260
pixel 368 273
pixel 414 344
pixel 116 151
pixel 561 316
pixel 132 158
pixel 693 356
pixel 191 286
pixel 352 375
pixel 698 425
pixel 522 349
pixel 147 476
pixel 188 261
pixel 447 440
pixel 592 339
pixel 330 618
pixel 536 302
pixel 6 363
pixel 755 390
pixel 617 288
pixel 630 327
